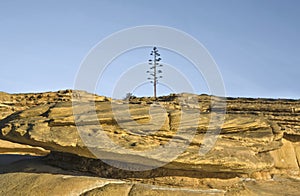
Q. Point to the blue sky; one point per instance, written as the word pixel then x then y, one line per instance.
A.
pixel 255 43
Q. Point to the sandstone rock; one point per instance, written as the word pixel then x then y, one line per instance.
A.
pixel 49 180
pixel 285 157
pixel 241 148
pixel 139 189
pixel 259 139
pixel 7 147
pixel 110 190
pixel 41 184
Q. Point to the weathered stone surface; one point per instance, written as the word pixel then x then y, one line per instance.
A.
pixel 7 147
pixel 110 190
pixel 39 184
pixel 286 156
pixel 240 148
pixel 152 190
pixel 259 137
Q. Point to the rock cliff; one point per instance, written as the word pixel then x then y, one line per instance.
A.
pixel 258 140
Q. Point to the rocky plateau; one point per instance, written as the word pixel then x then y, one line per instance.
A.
pixel 75 143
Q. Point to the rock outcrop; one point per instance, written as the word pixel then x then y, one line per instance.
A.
pixel 259 138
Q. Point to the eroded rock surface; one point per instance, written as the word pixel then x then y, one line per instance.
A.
pixel 260 138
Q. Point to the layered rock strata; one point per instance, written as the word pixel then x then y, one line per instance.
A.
pixel 259 138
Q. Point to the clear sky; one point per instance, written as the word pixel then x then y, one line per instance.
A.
pixel 255 43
